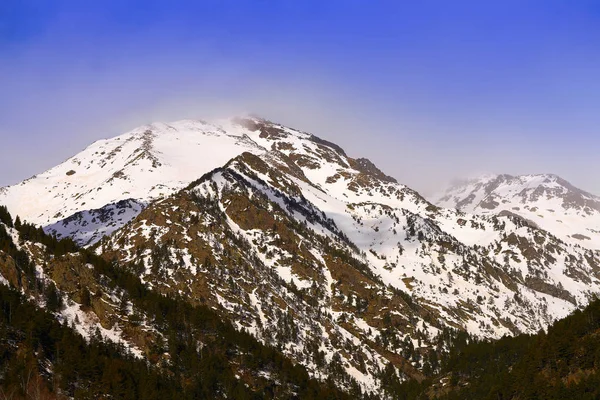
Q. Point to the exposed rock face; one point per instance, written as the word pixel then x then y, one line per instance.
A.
pixel 328 144
pixel 365 166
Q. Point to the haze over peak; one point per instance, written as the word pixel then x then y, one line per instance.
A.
pixel 547 200
pixel 147 162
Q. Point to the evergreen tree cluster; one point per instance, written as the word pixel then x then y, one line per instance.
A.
pixel 41 358
pixel 563 363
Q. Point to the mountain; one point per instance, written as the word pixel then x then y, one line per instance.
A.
pixel 317 254
pixel 75 326
pixel 547 200
pixel 147 163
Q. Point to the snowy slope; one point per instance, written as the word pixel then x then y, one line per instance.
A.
pixel 157 160
pixel 87 227
pixel 549 201
pixel 147 163
pixel 384 218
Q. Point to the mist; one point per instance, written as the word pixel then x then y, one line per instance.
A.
pixel 425 152
pixel 424 108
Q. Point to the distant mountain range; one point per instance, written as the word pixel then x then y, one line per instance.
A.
pixel 322 256
pixel 547 200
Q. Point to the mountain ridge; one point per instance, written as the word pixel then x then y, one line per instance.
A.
pixel 309 250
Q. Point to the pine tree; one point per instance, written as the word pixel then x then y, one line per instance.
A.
pixel 5 217
pixel 86 299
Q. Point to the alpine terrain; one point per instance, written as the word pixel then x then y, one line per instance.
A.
pixel 546 200
pixel 255 238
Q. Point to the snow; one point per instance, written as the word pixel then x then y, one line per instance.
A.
pixel 147 163
pixel 86 323
pixel 88 227
pixel 544 199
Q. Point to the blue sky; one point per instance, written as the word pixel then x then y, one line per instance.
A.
pixel 428 90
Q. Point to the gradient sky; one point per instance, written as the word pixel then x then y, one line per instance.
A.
pixel 428 90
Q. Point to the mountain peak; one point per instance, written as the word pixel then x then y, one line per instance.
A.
pixel 548 200
pixel 155 160
pixel 145 163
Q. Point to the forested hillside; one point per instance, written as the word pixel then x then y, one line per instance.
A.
pixel 563 363
pixel 203 356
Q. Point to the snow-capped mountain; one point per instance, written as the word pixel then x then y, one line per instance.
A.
pixel 320 254
pixel 304 227
pixel 547 200
pixel 149 162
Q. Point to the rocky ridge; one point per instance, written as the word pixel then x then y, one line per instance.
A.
pixel 324 256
